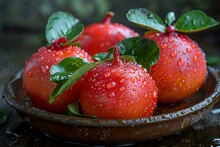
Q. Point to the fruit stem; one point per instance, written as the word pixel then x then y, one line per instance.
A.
pixel 108 18
pixel 117 61
pixel 171 29
pixel 56 44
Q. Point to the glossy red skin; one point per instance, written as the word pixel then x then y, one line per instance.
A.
pixel 100 37
pixel 118 92
pixel 181 69
pixel 36 78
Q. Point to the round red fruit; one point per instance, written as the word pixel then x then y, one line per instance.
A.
pixel 36 77
pixel 99 37
pixel 181 69
pixel 118 90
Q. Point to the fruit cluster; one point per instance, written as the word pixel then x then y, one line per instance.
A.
pixel 107 70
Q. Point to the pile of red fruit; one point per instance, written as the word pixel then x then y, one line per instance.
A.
pixel 128 74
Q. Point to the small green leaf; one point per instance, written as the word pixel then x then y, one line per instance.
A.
pixel 63 24
pixel 74 77
pixel 194 21
pixel 3 117
pixel 213 60
pixel 62 71
pixel 146 19
pixel 144 51
pixel 128 58
pixel 103 56
pixel 73 109
pixel 170 18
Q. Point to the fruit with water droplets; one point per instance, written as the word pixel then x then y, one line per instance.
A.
pixel 36 77
pixel 99 37
pixel 181 69
pixel 118 89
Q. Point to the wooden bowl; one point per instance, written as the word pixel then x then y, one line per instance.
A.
pixel 166 120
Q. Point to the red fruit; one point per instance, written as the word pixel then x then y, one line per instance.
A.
pixel 181 69
pixel 117 89
pixel 36 77
pixel 99 37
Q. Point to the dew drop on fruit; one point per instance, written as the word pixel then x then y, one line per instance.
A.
pixel 171 40
pixel 59 53
pixel 183 39
pixel 188 50
pixel 107 74
pixel 173 54
pixel 122 88
pixel 29 73
pixel 40 58
pixel 132 79
pixel 112 94
pixel 44 69
pixel 111 85
pixel 139 94
pixel 195 59
pixel 193 46
pixel 180 62
pixel 122 80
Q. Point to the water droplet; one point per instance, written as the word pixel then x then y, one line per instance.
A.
pixel 59 53
pixel 29 73
pixel 107 74
pixel 112 94
pixel 194 22
pixel 122 80
pixel 188 64
pixel 44 69
pixel 171 40
pixel 193 46
pixel 110 85
pixel 132 79
pixel 195 59
pixel 40 58
pixel 173 54
pixel 163 46
pixel 150 16
pixel 180 62
pixel 122 88
pixel 188 50
pixel 139 94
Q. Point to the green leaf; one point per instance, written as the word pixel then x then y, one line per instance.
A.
pixel 103 56
pixel 145 51
pixel 63 24
pixel 170 18
pixel 194 21
pixel 74 77
pixel 73 109
pixel 213 60
pixel 146 19
pixel 61 72
pixel 3 117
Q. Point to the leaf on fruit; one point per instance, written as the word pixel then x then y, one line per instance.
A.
pixel 66 76
pixel 73 109
pixel 144 51
pixel 146 19
pixel 3 117
pixel 61 72
pixel 194 21
pixel 63 24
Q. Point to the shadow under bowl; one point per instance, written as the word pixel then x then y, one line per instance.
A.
pixel 167 119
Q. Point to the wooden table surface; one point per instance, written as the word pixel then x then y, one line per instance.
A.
pixel 17 133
